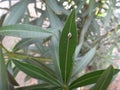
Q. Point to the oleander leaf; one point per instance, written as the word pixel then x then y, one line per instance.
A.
pixel 4 82
pixel 67 47
pixel 25 31
pixel 89 78
pixel 104 80
pixel 54 6
pixel 37 87
pixel 16 12
pixel 36 72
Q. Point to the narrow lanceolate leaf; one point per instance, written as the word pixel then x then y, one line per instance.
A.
pixel 104 80
pixel 25 31
pixel 54 20
pixel 4 84
pixel 54 6
pixel 91 6
pixel 55 56
pixel 86 79
pixel 67 47
pixel 16 12
pixel 89 78
pixel 36 72
pixel 38 87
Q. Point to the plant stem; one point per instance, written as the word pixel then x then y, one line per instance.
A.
pixel 22 56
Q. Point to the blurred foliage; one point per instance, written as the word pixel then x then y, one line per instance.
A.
pixel 97 29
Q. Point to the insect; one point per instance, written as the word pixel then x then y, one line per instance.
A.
pixel 69 35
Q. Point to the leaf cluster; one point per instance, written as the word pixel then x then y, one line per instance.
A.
pixel 56 52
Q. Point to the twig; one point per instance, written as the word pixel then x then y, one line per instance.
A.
pixel 4 8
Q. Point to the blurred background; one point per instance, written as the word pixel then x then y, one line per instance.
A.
pixel 97 20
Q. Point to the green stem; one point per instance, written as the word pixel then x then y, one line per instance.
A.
pixel 21 56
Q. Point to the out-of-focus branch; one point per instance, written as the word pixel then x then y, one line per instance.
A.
pixel 103 36
pixel 4 8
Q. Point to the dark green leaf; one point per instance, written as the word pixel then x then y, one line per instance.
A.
pixel 36 72
pixel 37 87
pixel 104 80
pixel 89 78
pixel 86 79
pixel 67 47
pixel 43 66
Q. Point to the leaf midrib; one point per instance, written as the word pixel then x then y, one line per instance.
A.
pixel 66 61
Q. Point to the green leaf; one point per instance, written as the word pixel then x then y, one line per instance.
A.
pixel 16 12
pixel 43 50
pixel 104 80
pixel 54 20
pixel 67 47
pixel 37 87
pixel 54 6
pixel 25 31
pixel 82 62
pixel 4 82
pixel 40 20
pixel 25 42
pixel 55 56
pixel 91 6
pixel 36 72
pixel 86 79
pixel 43 66
pixel 89 78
